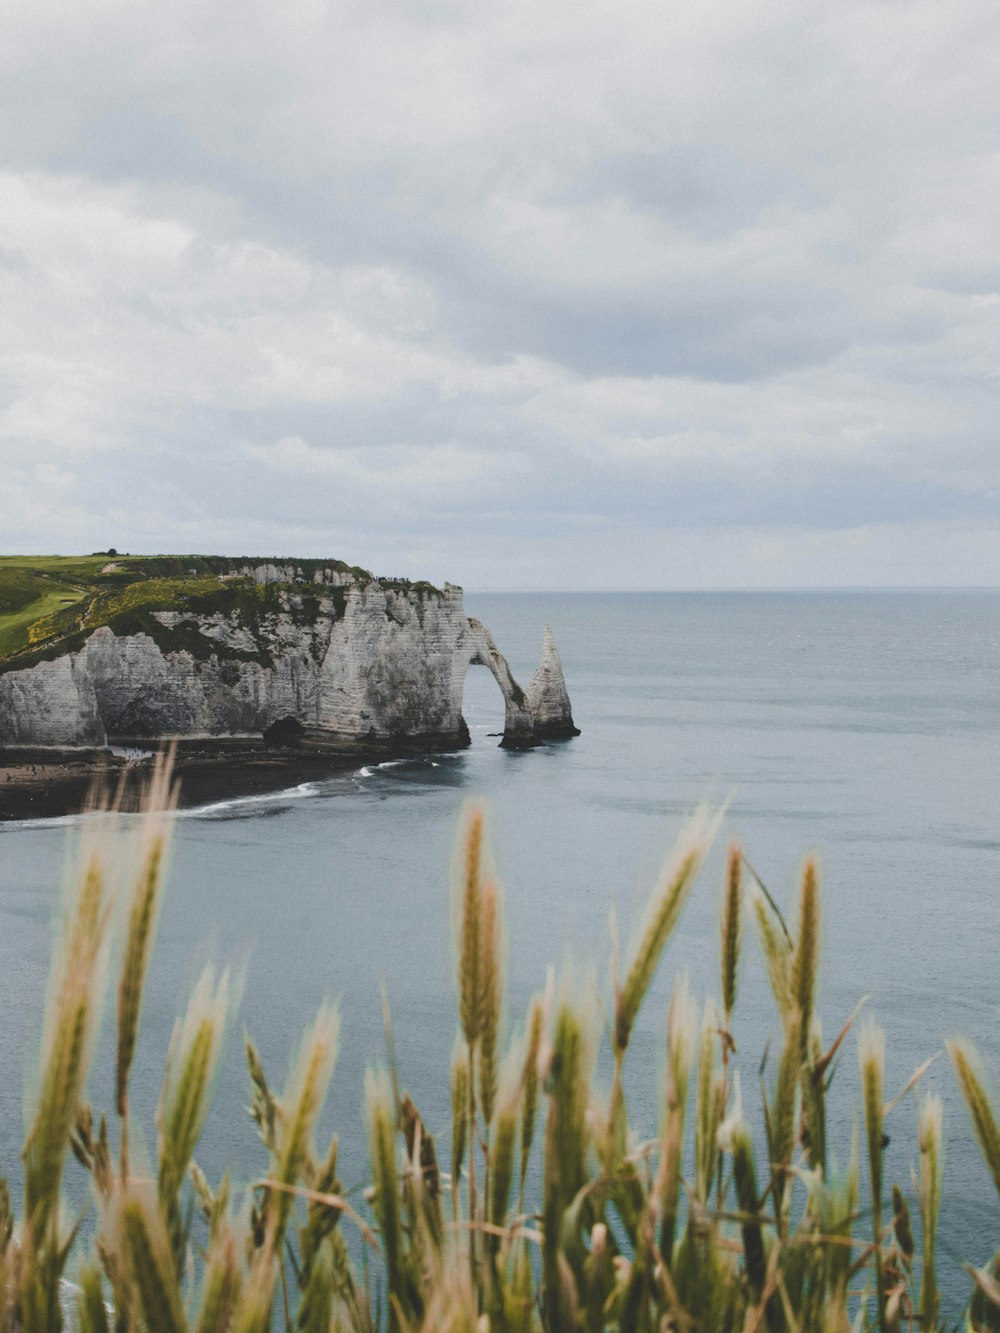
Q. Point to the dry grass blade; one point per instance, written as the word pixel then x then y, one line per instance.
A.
pixel 987 1285
pixel 71 1022
pixel 529 1078
pixel 490 1002
pixel 912 1082
pixel 708 1108
pixel 966 1065
pixel 504 1138
pixel 871 1060
pixel 460 1078
pixel 380 1115
pixel 221 1286
pixel 91 1311
pixel 662 914
pixel 158 804
pixel 304 1094
pixel 682 1034
pixel 783 1118
pixel 931 1140
pixel 143 1244
pixel 469 918
pixel 805 960
pixel 776 951
pixel 191 1063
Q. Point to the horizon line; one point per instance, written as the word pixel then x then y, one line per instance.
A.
pixel 736 588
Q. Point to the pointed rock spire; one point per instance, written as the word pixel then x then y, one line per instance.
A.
pixel 546 698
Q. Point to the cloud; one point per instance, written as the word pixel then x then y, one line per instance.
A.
pixel 483 286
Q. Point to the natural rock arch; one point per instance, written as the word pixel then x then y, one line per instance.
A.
pixel 542 712
pixel 481 650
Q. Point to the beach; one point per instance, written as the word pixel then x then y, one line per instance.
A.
pixel 37 783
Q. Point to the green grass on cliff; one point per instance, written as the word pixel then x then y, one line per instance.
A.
pixel 49 604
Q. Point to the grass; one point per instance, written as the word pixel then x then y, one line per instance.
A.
pixel 537 1210
pixel 50 604
pixel 33 596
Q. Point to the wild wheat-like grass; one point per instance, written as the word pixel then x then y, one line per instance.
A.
pixel 745 1176
pixel 708 1106
pixel 186 1094
pixel 931 1142
pixel 490 1000
pixel 805 960
pixel 783 1120
pixel 143 908
pixel 662 916
pixel 503 1142
pixel 731 930
pixel 303 1097
pixel 221 1283
pixel 682 1030
pixel 142 1241
pixel 776 951
pixel 566 1147
pixel 380 1115
pixel 529 1096
pixel 460 1077
pixel 871 1062
pixel 966 1064
pixel 317 1297
pixel 470 922
pixel 613 1234
pixel 67 1039
pixel 191 1062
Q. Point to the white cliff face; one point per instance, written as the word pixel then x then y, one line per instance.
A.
pixel 367 665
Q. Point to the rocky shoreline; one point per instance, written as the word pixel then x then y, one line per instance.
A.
pixel 45 783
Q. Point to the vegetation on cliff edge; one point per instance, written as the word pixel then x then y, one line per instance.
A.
pixel 50 604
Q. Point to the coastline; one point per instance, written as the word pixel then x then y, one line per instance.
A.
pixel 47 783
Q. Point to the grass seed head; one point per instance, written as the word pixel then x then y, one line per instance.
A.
pixel 192 1062
pixel 931 1140
pixel 731 929
pixel 776 951
pixel 468 918
pixel 871 1060
pixel 490 1002
pixel 158 805
pixel 967 1067
pixel 805 960
pixel 303 1097
pixel 662 914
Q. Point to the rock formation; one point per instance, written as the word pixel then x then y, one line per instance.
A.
pixel 547 701
pixel 335 660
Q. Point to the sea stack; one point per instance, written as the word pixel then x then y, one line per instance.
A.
pixel 547 699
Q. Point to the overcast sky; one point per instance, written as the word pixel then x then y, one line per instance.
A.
pixel 547 294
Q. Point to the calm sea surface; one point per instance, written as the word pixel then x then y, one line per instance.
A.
pixel 862 726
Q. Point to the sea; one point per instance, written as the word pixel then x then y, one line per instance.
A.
pixel 863 727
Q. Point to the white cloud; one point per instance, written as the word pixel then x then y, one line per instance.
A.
pixel 495 277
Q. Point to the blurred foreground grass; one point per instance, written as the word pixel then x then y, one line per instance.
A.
pixel 542 1210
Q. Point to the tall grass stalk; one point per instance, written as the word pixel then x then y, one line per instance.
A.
pixel 160 800
pixel 871 1060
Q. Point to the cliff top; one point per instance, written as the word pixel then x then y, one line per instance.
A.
pixel 49 604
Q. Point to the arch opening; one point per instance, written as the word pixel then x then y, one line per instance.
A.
pixel 483 705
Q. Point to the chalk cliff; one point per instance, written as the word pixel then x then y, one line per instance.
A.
pixel 331 659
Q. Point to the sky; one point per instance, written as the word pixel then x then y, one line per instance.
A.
pixel 547 295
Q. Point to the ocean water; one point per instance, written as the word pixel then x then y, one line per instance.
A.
pixel 862 726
